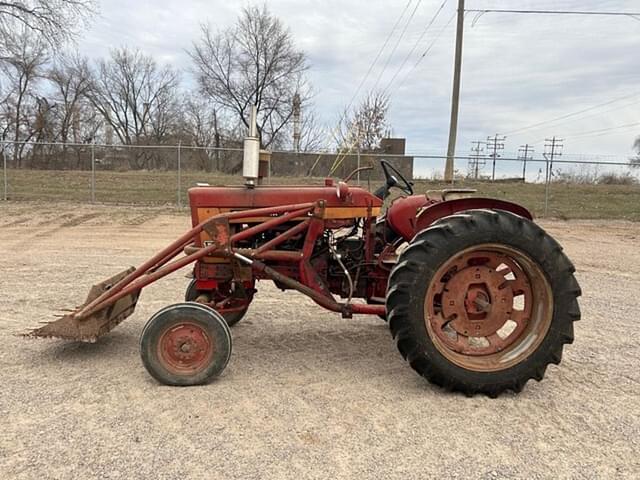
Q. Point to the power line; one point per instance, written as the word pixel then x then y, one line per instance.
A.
pixel 339 160
pixel 415 45
pixel 375 60
pixel 569 115
pixel 604 130
pixel 598 132
pixel 555 12
pixel 426 52
pixel 334 131
pixel 395 47
pixel 582 117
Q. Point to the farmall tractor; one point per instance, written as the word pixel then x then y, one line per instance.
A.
pixel 478 298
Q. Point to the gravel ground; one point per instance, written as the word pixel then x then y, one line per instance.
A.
pixel 306 394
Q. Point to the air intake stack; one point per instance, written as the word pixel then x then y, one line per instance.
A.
pixel 251 158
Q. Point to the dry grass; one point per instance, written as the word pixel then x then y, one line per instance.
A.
pixel 566 201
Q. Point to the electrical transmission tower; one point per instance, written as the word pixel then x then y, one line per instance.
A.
pixel 476 159
pixel 523 154
pixel 494 144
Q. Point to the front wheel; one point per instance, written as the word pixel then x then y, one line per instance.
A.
pixel 185 344
pixel 482 301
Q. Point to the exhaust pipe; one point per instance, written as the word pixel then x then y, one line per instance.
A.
pixel 251 157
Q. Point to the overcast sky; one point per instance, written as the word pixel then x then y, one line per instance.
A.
pixel 518 70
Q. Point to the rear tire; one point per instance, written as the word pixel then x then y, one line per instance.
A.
pixel 474 253
pixel 185 344
pixel 192 293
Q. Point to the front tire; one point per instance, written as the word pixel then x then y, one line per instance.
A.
pixel 482 301
pixel 185 344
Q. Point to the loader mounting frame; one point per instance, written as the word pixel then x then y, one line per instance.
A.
pixel 92 319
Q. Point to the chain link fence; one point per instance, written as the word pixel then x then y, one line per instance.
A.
pixel 566 187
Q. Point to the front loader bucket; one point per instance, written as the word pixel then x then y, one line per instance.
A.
pixel 89 328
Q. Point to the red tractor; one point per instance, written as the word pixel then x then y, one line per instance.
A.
pixel 477 296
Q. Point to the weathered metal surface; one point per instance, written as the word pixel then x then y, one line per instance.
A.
pixel 299 227
pixel 481 305
pixel 185 348
pixel 477 300
pixel 89 328
pixel 271 196
pixel 408 216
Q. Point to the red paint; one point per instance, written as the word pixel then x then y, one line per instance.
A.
pixel 289 268
pixel 271 196
pixel 185 347
pixel 401 216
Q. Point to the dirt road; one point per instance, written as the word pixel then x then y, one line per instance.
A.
pixel 306 394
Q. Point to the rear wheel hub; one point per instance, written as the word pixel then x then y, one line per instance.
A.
pixel 481 304
pixel 475 303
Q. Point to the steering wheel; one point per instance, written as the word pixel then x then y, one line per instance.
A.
pixel 393 179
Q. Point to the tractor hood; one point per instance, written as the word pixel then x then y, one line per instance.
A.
pixel 343 200
pixel 269 196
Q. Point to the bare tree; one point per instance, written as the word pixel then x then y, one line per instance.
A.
pixel 5 116
pixel 203 126
pixel 76 120
pixel 71 79
pixel 254 62
pixel 365 125
pixel 135 96
pixel 54 20
pixel 22 66
pixel 200 122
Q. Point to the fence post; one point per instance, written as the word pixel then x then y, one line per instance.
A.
pixel 4 169
pixel 93 172
pixel 358 165
pixel 179 176
pixel 269 171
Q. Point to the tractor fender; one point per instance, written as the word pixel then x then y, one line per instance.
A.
pixel 410 217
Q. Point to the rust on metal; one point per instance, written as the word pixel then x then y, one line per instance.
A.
pixel 185 348
pixel 113 300
pixel 218 230
pixel 481 305
pixel 71 326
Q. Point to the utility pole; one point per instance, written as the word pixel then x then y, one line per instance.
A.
pixel 494 144
pixel 476 159
pixel 455 95
pixel 523 154
pixel 552 147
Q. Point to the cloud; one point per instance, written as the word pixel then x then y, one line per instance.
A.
pixel 518 69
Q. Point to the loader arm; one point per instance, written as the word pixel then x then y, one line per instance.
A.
pixel 112 301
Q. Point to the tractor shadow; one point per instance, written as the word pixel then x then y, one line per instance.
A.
pixel 317 350
pixel 357 348
pixel 115 345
